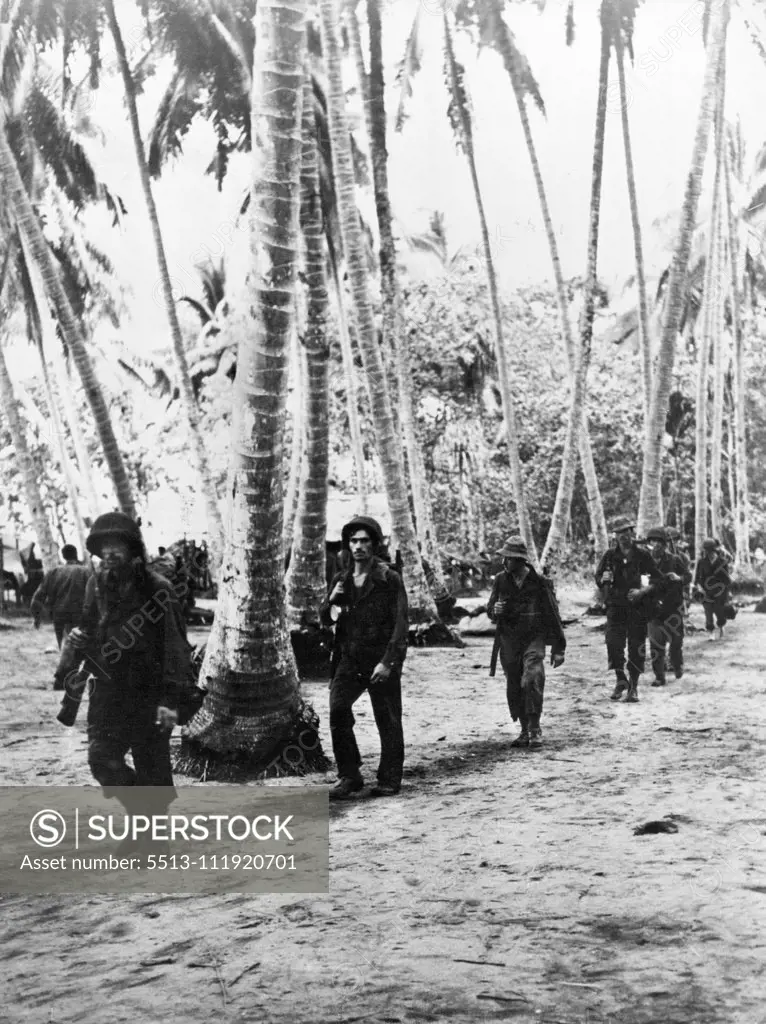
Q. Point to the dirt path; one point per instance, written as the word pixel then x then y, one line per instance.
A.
pixel 523 861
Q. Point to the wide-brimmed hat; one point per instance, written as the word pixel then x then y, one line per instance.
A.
pixel 115 524
pixel 622 523
pixel 515 547
pixel 657 533
pixel 709 545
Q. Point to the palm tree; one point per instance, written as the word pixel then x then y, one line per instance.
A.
pixel 663 374
pixel 609 28
pixel 254 703
pixel 462 126
pixel 215 523
pixel 60 153
pixel 421 602
pixel 305 583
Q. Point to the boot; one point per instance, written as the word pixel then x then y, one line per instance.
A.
pixel 632 697
pixel 522 740
pixel 620 686
pixel 535 733
pixel 720 632
pixel 345 788
pixel 659 681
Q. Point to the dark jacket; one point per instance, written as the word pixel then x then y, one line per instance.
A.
pixel 372 625
pixel 669 596
pixel 63 592
pixel 627 575
pixel 139 653
pixel 531 609
pixel 713 580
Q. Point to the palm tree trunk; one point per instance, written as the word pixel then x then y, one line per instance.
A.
pixel 592 489
pixel 254 702
pixel 357 50
pixel 716 434
pixel 215 522
pixel 297 455
pixel 48 340
pixel 503 370
pixel 674 303
pixel 422 605
pixel 560 517
pixel 740 504
pixel 394 331
pixel 70 327
pixel 27 468
pixel 306 582
pixel 352 406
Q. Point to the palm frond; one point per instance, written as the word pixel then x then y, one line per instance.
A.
pixel 178 108
pixel 570 23
pixel 459 107
pixel 408 68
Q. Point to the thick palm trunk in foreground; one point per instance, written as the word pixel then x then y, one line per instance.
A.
pixel 674 302
pixel 422 606
pixel 254 707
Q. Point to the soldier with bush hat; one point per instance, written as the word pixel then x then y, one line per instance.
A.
pixel 619 576
pixel 523 605
pixel 666 609
pixel 712 582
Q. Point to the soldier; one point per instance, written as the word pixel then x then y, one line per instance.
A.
pixel 368 603
pixel 523 605
pixel 133 635
pixel 711 584
pixel 666 609
pixel 619 576
pixel 62 592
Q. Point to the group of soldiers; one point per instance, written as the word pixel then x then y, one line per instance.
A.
pixel 126 621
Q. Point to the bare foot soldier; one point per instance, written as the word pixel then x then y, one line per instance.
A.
pixel 619 576
pixel 712 582
pixel 368 654
pixel 666 609
pixel 524 607
pixel 133 635
pixel 62 592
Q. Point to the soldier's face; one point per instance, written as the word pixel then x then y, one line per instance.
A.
pixel 625 539
pixel 658 549
pixel 360 545
pixel 514 565
pixel 114 553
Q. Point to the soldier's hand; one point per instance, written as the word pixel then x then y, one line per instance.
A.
pixel 557 660
pixel 674 577
pixel 379 674
pixel 166 719
pixel 338 593
pixel 634 595
pixel 78 639
pixel 498 609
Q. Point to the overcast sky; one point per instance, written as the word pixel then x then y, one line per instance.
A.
pixel 427 172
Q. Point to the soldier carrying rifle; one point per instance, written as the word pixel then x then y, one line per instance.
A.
pixel 523 605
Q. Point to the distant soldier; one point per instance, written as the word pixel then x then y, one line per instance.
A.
pixel 625 575
pixel 666 609
pixel 712 582
pixel 523 605
pixel 62 593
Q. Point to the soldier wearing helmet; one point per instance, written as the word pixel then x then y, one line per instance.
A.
pixel 666 609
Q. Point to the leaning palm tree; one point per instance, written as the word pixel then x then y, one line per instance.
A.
pixel 254 707
pixel 191 410
pixel 674 301
pixel 422 604
pixel 19 40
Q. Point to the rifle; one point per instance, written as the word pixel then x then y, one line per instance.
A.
pixel 495 652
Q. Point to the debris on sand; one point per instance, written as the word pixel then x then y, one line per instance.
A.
pixel 651 828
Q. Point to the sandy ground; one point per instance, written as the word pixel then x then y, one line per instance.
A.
pixel 499 885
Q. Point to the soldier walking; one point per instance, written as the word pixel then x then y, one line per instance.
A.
pixel 666 608
pixel 523 605
pixel 712 582
pixel 625 575
pixel 62 592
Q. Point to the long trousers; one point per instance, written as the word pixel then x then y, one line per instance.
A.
pixel 664 635
pixel 150 749
pixel 347 686
pixel 62 628
pixel 712 610
pixel 523 659
pixel 626 625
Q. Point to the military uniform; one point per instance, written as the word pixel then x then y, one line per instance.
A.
pixel 62 592
pixel 666 613
pixel 529 621
pixel 712 581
